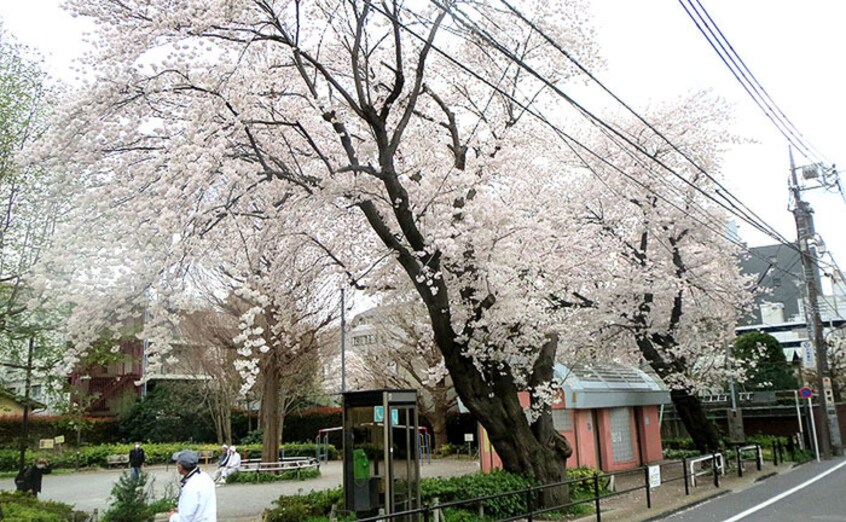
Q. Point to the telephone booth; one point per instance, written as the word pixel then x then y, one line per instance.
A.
pixel 381 464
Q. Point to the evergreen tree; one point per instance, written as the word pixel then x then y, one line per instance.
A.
pixel 770 369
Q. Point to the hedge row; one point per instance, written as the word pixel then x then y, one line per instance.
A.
pixel 254 477
pixel 315 506
pixel 102 431
pixel 20 506
pixel 96 456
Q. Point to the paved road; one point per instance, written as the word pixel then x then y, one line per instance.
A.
pixel 791 497
pixel 90 490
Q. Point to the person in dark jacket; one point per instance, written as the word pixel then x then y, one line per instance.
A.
pixel 136 460
pixel 31 480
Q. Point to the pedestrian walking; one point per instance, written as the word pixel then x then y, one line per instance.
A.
pixel 197 499
pixel 29 480
pixel 136 460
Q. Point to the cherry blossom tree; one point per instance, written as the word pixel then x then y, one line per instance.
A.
pixel 204 114
pixel 671 291
pixel 346 136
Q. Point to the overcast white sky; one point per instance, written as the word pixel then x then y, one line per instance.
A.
pixel 654 52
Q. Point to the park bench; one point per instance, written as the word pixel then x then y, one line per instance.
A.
pixel 288 463
pixel 114 460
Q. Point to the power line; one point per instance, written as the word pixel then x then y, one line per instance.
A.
pixel 731 207
pixel 573 143
pixel 747 79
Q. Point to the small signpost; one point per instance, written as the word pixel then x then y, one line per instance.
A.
pixel 807 393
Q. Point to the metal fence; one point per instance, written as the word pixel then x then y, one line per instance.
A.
pixel 712 465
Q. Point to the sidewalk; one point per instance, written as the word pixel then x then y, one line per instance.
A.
pixel 670 496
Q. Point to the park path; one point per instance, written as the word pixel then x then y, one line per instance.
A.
pixel 89 490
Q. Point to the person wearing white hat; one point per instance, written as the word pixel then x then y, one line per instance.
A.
pixel 231 466
pixel 221 463
pixel 197 499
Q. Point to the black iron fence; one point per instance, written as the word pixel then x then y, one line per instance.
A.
pixel 591 490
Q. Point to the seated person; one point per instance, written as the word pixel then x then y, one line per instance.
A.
pixel 231 466
pixel 221 462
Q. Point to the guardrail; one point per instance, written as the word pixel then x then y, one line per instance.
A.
pixel 741 450
pixel 718 465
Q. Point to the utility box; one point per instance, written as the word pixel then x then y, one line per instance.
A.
pixel 381 452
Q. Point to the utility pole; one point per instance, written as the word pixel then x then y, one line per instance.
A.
pixel 803 214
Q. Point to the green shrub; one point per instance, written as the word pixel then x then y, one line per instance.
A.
pixel 315 505
pixel 253 437
pixel 297 508
pixel 480 485
pixel 160 453
pixel 129 500
pixel 584 489
pixel 449 449
pixel 260 478
pixel 685 443
pixel 132 500
pixel 677 454
pixel 19 507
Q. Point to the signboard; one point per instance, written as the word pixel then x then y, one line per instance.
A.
pixel 379 415
pixel 468 437
pixel 805 392
pixel 45 444
pixel 654 476
pixel 60 439
pixel 809 358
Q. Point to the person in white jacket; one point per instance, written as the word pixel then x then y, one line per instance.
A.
pixel 231 466
pixel 197 498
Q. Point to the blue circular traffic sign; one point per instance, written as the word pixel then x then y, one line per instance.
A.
pixel 805 392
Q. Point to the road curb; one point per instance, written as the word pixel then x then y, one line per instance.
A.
pixel 669 512
pixel 765 477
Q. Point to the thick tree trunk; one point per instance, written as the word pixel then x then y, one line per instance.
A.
pixel 437 414
pixel 271 435
pixel 439 424
pixel 701 429
pixel 496 405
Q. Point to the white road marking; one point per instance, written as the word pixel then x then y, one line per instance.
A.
pixel 780 496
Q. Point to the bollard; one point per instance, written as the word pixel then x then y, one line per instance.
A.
pixel 714 467
pixel 759 457
pixel 648 488
pixel 739 462
pixel 775 455
pixel 596 497
pixel 684 472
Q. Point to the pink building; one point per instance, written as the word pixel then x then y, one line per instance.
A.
pixel 611 414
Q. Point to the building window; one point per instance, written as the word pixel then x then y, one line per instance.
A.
pixel 562 420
